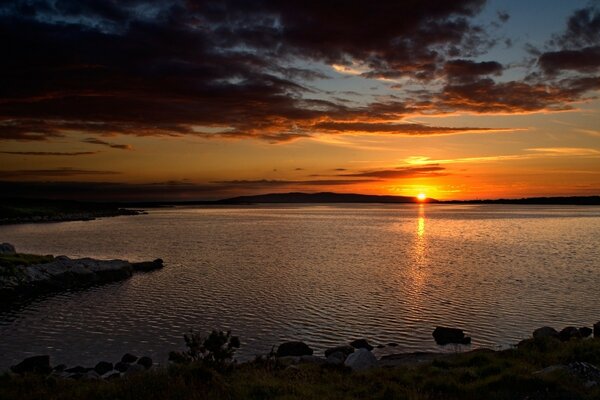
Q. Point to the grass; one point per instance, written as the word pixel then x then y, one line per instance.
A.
pixel 500 375
pixel 13 260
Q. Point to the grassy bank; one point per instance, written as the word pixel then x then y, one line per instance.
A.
pixel 509 374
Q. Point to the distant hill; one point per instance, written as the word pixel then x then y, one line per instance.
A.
pixel 324 197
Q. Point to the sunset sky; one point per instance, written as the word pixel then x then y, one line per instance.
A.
pixel 184 100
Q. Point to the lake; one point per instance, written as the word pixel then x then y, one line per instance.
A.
pixel 324 274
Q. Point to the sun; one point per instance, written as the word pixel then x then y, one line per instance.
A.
pixel 422 196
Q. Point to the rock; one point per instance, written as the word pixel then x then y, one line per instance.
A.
pixel 145 362
pixel 340 349
pixel 91 375
pixel 568 333
pixel 545 332
pixel 585 331
pixel 103 367
pixel 336 358
pixel 312 360
pixel 597 330
pixel 7 248
pixel 128 358
pixel 77 370
pixel 445 336
pixel 59 368
pixel 35 364
pixel 146 266
pixel 360 360
pixel 122 366
pixel 361 344
pixel 111 375
pixel 585 371
pixel 294 349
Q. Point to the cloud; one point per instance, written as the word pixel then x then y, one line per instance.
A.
pixel 393 128
pixel 238 69
pixel 50 153
pixel 275 183
pixel 401 172
pixel 108 144
pixel 583 60
pixel 59 172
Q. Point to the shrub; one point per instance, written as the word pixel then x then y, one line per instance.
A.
pixel 215 349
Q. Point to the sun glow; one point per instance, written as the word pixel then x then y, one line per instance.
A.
pixel 422 196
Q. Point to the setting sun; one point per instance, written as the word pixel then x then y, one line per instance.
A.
pixel 421 196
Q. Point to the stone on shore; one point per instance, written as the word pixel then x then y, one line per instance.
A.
pixel 597 330
pixel 346 350
pixel 360 360
pixel 35 364
pixel 103 367
pixel 337 358
pixel 145 362
pixel 361 344
pixel 128 358
pixel 122 366
pixel 445 336
pixel 545 332
pixel 585 331
pixel 293 349
pixel 568 333
pixel 7 248
pixel 146 266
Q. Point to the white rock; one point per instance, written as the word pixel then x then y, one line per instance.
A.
pixel 360 360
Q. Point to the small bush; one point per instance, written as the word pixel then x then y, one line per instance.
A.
pixel 215 349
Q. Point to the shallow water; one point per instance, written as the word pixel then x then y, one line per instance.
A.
pixel 324 274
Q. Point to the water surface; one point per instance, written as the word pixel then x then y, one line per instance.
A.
pixel 324 274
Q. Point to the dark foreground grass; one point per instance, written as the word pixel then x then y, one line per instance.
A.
pixel 476 375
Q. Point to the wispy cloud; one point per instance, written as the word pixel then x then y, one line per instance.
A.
pixel 108 144
pixel 59 172
pixel 50 153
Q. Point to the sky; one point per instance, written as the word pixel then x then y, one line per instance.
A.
pixel 194 100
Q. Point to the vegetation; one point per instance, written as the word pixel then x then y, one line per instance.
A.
pixel 13 260
pixel 215 350
pixel 509 374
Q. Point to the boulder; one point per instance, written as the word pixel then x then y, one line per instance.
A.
pixel 336 358
pixel 568 333
pixel 340 349
pixel 128 358
pixel 360 360
pixel 103 367
pixel 146 266
pixel 122 366
pixel 78 370
pixel 445 336
pixel 35 364
pixel 293 349
pixel 545 332
pixel 585 331
pixel 597 330
pixel 145 362
pixel 7 248
pixel 361 344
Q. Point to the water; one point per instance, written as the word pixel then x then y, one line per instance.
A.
pixel 324 274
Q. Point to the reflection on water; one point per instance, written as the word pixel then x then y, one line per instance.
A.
pixel 323 274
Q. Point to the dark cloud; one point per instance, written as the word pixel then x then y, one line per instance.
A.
pixel 50 153
pixel 108 144
pixel 239 69
pixel 583 60
pixel 264 183
pixel 401 172
pixel 466 70
pixel 59 172
pixel 392 128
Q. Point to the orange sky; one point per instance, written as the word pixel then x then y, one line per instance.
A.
pixel 169 116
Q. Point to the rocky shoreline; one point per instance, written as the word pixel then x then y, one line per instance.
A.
pixel 70 216
pixel 27 278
